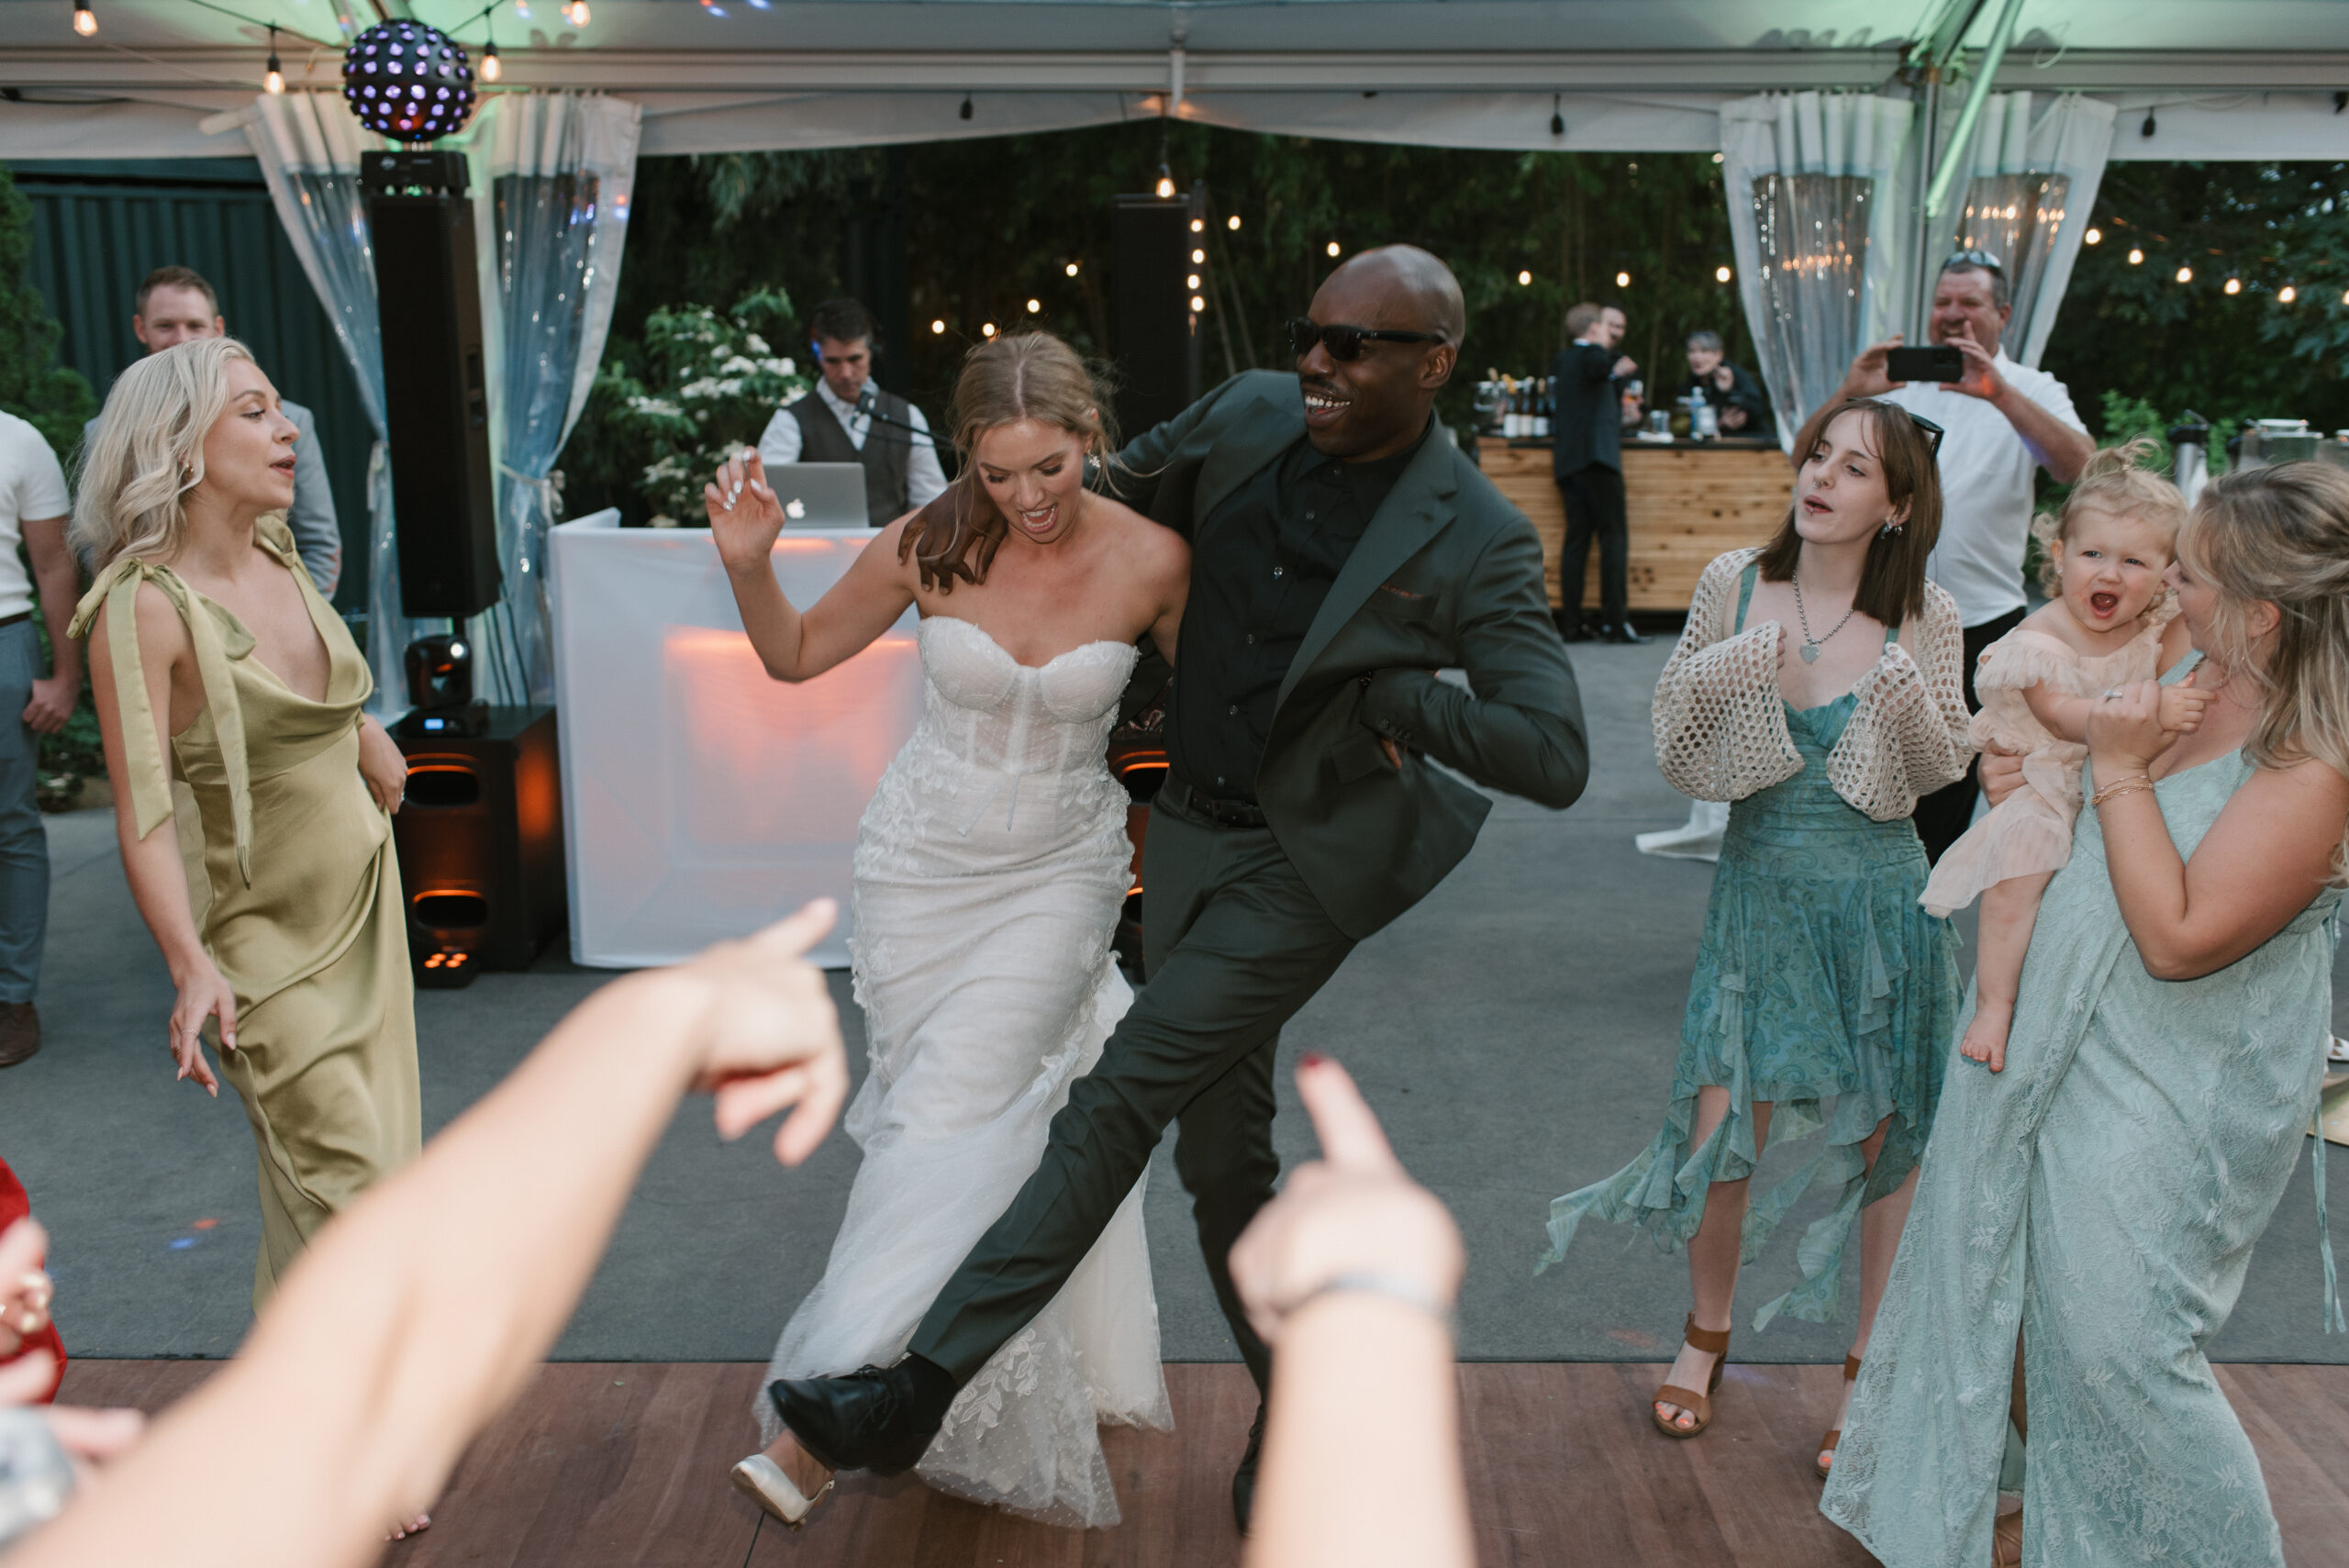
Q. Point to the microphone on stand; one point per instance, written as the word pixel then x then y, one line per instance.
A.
pixel 872 413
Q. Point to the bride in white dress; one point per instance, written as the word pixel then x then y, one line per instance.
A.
pixel 989 871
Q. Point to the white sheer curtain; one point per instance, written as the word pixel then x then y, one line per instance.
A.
pixel 309 146
pixel 1817 184
pixel 2033 171
pixel 556 170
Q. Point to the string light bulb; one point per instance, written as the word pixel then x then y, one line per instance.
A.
pixel 1198 225
pixel 1622 280
pixel 272 76
pixel 937 328
pixel 576 12
pixel 1199 258
pixel 1165 186
pixel 1071 269
pixel 1035 306
pixel 2186 274
pixel 986 329
pixel 1524 279
pixel 2135 256
pixel 1192 282
pixel 2093 236
pixel 1233 222
pixel 2234 285
pixel 1723 274
pixel 2287 295
pixel 1197 304
pixel 86 21
pixel 491 67
pixel 1331 247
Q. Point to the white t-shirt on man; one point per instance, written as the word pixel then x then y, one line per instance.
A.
pixel 1986 472
pixel 32 484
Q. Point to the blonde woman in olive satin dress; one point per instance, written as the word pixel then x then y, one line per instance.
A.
pixel 229 696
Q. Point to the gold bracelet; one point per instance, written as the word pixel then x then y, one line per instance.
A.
pixel 2129 783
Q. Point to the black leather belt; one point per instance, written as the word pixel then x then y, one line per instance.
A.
pixel 1222 813
pixel 20 615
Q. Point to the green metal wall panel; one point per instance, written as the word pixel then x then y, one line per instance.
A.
pixel 99 227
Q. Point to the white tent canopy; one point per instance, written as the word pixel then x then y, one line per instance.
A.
pixel 2247 79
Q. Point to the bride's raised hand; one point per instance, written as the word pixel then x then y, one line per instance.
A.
pixel 745 518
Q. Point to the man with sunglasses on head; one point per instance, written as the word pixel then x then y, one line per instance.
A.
pixel 1343 549
pixel 2004 421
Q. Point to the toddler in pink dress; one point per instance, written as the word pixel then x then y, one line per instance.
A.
pixel 2108 551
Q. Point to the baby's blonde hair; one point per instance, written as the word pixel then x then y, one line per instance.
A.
pixel 2116 480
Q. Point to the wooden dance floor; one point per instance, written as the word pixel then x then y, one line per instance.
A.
pixel 609 1464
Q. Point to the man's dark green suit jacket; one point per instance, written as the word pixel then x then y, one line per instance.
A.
pixel 1447 575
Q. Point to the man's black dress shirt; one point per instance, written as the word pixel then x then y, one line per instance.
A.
pixel 1261 565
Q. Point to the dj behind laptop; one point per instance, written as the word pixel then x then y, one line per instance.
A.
pixel 821 495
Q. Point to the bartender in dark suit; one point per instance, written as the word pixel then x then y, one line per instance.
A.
pixel 1586 385
pixel 1739 407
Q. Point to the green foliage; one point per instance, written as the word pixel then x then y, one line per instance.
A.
pixel 2132 329
pixel 2126 418
pixel 710 383
pixel 990 224
pixel 33 386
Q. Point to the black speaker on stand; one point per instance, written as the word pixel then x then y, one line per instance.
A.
pixel 480 839
pixel 436 386
pixel 1152 326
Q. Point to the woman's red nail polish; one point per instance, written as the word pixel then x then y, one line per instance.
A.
pixel 1312 1059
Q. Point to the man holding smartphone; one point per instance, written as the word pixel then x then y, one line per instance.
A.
pixel 2004 421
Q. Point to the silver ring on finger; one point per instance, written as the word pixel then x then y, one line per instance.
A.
pixel 2111 693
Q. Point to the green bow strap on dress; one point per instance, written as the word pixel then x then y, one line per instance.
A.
pixel 295 887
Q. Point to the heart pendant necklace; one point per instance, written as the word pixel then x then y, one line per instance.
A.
pixel 1811 644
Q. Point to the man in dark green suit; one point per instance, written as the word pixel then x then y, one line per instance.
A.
pixel 1343 549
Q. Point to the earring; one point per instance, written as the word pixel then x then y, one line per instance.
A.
pixel 1889 529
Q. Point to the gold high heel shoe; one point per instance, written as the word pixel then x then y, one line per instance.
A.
pixel 1835 1434
pixel 2006 1540
pixel 1715 1342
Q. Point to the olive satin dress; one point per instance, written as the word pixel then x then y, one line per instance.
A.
pixel 296 893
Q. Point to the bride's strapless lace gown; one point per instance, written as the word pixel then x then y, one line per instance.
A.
pixel 989 871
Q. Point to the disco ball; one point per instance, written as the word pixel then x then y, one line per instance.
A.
pixel 409 82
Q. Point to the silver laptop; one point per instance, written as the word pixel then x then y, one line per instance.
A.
pixel 821 495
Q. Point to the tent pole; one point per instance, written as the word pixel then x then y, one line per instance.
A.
pixel 1960 136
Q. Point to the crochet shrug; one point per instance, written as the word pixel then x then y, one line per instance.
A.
pixel 1721 723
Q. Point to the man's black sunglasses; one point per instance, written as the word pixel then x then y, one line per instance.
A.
pixel 1981 259
pixel 1345 342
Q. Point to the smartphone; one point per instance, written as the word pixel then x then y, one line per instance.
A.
pixel 1938 363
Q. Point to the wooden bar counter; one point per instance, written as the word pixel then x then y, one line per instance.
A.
pixel 1686 501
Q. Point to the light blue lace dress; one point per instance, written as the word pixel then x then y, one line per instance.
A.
pixel 1822 989
pixel 2103 1193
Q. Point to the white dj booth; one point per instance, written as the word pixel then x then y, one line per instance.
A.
pixel 701 798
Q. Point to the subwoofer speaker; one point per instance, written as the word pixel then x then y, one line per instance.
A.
pixel 1152 324
pixel 436 391
pixel 480 839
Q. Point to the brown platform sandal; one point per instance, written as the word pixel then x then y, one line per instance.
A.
pixel 1715 1342
pixel 1835 1434
pixel 2006 1540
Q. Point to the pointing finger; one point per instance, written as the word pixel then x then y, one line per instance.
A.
pixel 1348 1133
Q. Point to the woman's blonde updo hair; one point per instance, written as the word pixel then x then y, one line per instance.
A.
pixel 1031 375
pixel 146 452
pixel 2116 482
pixel 2281 535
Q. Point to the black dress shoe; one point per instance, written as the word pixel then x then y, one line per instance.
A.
pixel 1569 627
pixel 1620 632
pixel 1244 1480
pixel 874 1418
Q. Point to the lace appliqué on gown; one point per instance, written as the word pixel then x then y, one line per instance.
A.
pixel 990 867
